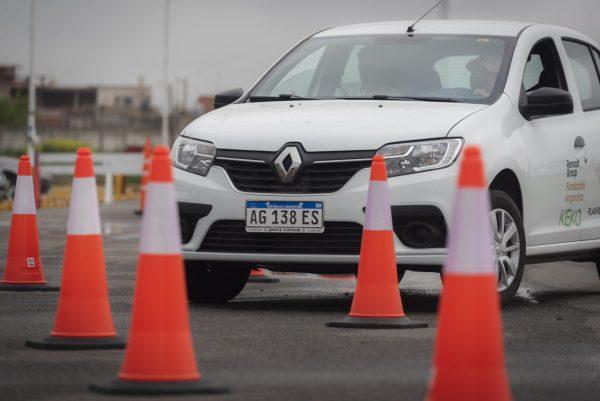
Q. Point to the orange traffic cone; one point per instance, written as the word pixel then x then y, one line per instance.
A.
pixel 160 355
pixel 377 303
pixel 23 270
pixel 145 173
pixel 257 275
pixel 469 355
pixel 83 317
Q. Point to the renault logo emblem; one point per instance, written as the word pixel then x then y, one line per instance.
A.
pixel 287 163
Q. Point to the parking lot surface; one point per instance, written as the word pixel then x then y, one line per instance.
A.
pixel 271 343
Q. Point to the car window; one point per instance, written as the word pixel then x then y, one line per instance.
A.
pixel 459 68
pixel 297 81
pixel 586 75
pixel 596 59
pixel 543 68
pixel 454 71
pixel 533 71
pixel 350 85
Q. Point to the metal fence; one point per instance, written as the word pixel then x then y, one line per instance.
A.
pixel 107 164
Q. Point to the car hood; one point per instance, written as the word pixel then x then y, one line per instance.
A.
pixel 331 125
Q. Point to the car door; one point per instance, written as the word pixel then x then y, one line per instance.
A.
pixel 553 161
pixel 584 62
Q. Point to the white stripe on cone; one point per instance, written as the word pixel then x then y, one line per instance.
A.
pixel 84 217
pixel 24 202
pixel 378 214
pixel 160 222
pixel 470 242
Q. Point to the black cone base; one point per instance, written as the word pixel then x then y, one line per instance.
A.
pixel 138 212
pixel 262 279
pixel 130 387
pixel 377 323
pixel 65 343
pixel 28 287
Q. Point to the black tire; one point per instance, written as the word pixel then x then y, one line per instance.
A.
pixel 401 274
pixel 598 267
pixel 501 200
pixel 214 282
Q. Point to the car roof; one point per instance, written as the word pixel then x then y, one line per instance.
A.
pixel 452 27
pixel 470 27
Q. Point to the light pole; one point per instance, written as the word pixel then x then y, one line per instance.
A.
pixel 32 138
pixel 166 107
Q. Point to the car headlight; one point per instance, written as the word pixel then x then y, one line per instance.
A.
pixel 193 155
pixel 414 157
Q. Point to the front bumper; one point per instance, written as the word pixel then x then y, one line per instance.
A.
pixel 433 188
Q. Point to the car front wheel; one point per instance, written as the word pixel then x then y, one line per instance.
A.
pixel 509 243
pixel 212 282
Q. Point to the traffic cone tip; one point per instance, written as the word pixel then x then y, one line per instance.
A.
pixel 471 168
pixel 160 170
pixel 161 150
pixel 84 151
pixel 24 168
pixel 378 169
pixel 84 165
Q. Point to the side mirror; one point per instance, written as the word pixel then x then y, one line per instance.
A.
pixel 227 97
pixel 545 102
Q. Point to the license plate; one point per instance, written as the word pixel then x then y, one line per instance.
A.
pixel 284 217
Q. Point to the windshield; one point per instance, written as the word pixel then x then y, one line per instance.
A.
pixel 454 68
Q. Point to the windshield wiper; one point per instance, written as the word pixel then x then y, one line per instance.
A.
pixel 289 96
pixel 280 97
pixel 415 98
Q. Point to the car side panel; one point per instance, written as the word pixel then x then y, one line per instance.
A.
pixel 549 218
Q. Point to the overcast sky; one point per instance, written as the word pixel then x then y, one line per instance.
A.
pixel 217 44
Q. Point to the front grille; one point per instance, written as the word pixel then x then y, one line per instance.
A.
pixel 339 238
pixel 319 172
pixel 316 178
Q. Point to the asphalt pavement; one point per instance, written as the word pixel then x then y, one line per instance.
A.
pixel 271 343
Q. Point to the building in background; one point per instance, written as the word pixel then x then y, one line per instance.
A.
pixel 108 117
pixel 124 97
pixel 8 76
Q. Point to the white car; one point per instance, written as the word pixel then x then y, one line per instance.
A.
pixel 278 178
pixel 9 167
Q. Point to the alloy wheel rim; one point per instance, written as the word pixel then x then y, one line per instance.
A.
pixel 507 247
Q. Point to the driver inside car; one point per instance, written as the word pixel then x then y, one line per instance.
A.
pixel 484 71
pixel 372 71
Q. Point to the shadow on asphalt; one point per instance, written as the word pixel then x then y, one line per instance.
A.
pixel 554 295
pixel 425 302
pixel 413 302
